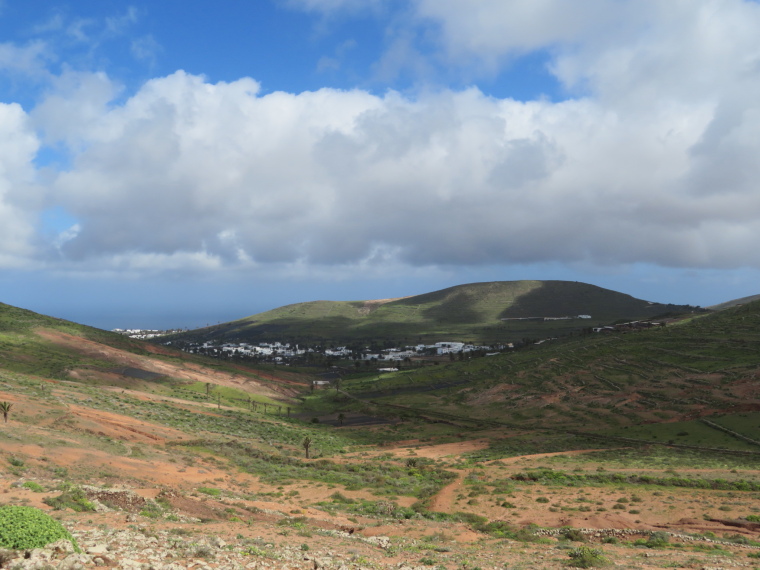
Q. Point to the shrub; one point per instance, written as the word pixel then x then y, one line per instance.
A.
pixel 73 498
pixel 338 497
pixel 32 486
pixel 658 539
pixel 585 557
pixel 26 528
pixel 572 534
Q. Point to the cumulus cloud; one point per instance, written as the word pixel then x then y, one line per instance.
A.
pixel 652 161
pixel 19 195
pixel 327 177
pixel 493 29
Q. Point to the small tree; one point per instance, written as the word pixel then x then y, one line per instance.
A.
pixel 341 417
pixel 306 445
pixel 5 407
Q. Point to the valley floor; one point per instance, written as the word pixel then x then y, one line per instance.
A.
pixel 212 515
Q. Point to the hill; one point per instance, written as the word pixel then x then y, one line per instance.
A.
pixel 615 382
pixel 496 312
pixel 38 346
pixel 734 303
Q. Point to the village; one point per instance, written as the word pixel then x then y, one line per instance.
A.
pixel 278 352
pixel 284 353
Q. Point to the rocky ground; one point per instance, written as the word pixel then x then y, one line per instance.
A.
pixel 126 535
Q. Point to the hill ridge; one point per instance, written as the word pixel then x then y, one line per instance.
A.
pixel 472 312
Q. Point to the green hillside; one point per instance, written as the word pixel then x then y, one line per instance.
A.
pixel 34 346
pixel 23 350
pixel 599 382
pixel 500 311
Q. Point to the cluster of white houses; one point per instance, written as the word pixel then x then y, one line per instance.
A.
pixel 279 352
pixel 283 352
pixel 141 333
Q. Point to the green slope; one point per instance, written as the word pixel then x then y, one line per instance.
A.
pixel 707 365
pixel 35 346
pixel 23 351
pixel 477 312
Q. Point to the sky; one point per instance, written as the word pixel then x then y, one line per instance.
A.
pixel 183 163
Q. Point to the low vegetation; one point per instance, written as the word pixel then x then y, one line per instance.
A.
pixel 27 528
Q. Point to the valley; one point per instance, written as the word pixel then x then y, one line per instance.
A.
pixel 590 450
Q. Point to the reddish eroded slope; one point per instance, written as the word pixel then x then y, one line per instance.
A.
pixel 190 371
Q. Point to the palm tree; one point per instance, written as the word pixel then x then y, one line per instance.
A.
pixel 306 445
pixel 5 407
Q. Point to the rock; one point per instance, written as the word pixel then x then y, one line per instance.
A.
pixel 381 541
pixel 62 546
pixel 74 562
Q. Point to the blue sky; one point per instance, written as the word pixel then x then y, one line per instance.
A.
pixel 176 164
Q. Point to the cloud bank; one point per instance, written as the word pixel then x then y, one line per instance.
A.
pixel 652 158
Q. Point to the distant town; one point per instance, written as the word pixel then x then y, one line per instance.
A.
pixel 284 353
pixel 279 352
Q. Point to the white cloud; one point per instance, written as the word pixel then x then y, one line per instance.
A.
pixel 328 177
pixel 145 48
pixel 75 110
pixel 19 195
pixel 496 28
pixel 616 49
pixel 29 60
pixel 118 25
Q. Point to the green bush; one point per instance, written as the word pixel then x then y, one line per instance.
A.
pixel 658 539
pixel 26 527
pixel 72 498
pixel 573 534
pixel 32 486
pixel 585 557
